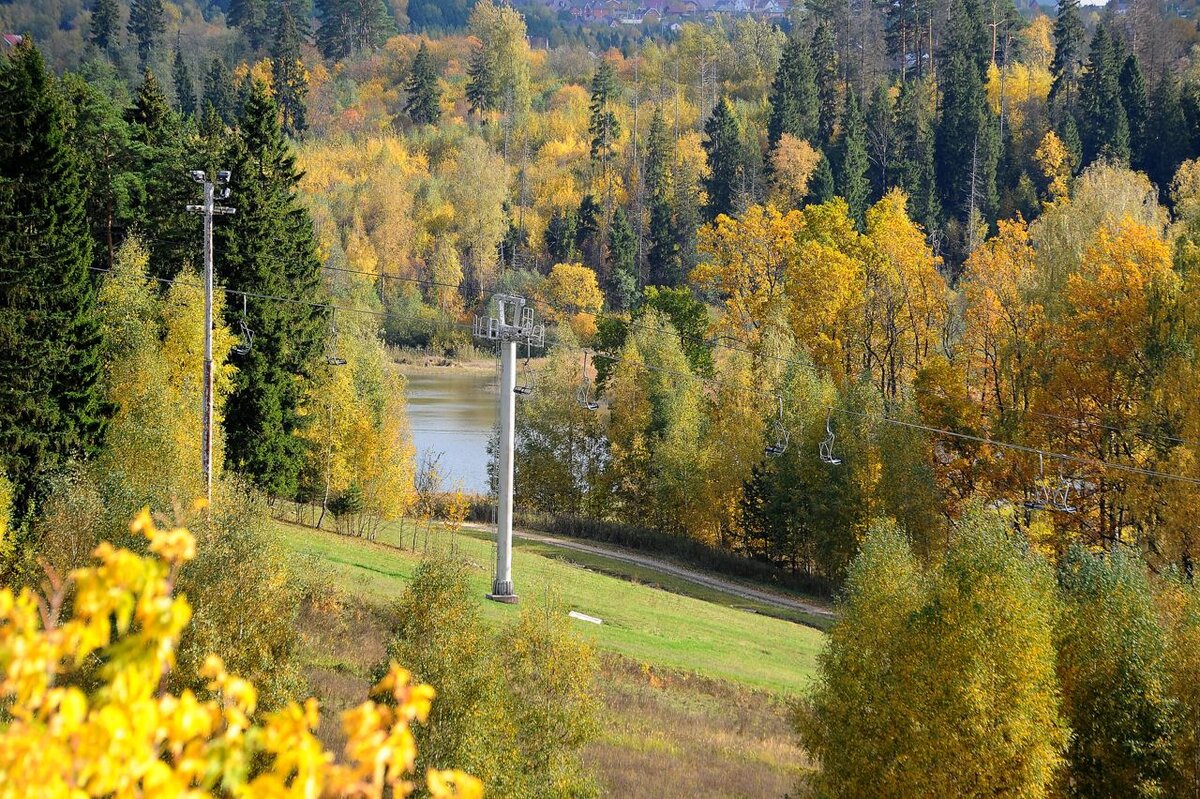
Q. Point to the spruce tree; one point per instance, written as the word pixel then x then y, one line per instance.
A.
pixel 916 167
pixel 602 122
pixel 829 93
pixel 795 102
pixel 147 24
pixel 483 86
pixel 288 73
pixel 1068 57
pixel 268 248
pixel 251 17
pixel 661 253
pixel 351 26
pixel 1136 102
pixel 1104 127
pixel 723 146
pixel 622 262
pixel 423 104
pixel 51 405
pixel 821 187
pixel 686 220
pixel 561 237
pixel 588 239
pixel 219 95
pixel 106 17
pixel 1167 137
pixel 853 184
pixel 185 90
pixel 967 147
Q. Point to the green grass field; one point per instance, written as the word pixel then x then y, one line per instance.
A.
pixel 664 629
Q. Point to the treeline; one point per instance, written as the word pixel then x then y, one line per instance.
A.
pixel 100 315
pixel 997 673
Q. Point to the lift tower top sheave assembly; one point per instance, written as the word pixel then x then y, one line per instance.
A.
pixel 512 325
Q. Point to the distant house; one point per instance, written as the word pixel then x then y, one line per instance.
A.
pixel 11 40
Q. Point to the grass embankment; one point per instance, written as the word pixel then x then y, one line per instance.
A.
pixel 695 692
pixel 661 628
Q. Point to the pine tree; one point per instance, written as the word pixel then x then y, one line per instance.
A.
pixel 219 93
pixel 561 237
pixel 351 26
pixel 821 187
pixel 51 406
pixel 268 248
pixel 251 17
pixel 853 184
pixel 622 262
pixel 288 73
pixel 1104 127
pixel 185 90
pixel 1167 137
pixel 723 147
pixel 106 17
pixel 795 102
pixel 147 24
pixel 1136 102
pixel 967 147
pixel 483 88
pixel 916 166
pixel 602 122
pixel 825 60
pixel 1068 57
pixel 423 104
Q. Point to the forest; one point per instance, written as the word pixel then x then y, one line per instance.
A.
pixel 897 302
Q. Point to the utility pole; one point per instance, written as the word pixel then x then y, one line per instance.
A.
pixel 513 324
pixel 208 210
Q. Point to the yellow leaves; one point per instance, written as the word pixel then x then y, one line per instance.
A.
pixel 1055 162
pixel 573 296
pixel 130 738
pixel 793 162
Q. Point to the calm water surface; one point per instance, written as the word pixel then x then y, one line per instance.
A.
pixel 453 412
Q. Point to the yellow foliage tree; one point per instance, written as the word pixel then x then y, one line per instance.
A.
pixel 1055 162
pixel 793 162
pixel 118 733
pixel 573 296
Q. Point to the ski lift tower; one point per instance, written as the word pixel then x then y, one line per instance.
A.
pixel 512 325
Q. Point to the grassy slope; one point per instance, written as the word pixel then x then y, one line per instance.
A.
pixel 651 626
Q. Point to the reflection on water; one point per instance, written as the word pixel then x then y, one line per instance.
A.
pixel 453 412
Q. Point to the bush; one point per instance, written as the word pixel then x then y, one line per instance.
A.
pixel 515 705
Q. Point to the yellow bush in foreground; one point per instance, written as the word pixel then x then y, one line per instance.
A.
pixel 87 714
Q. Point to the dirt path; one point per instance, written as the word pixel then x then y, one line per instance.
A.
pixel 706 579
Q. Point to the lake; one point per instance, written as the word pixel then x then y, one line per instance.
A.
pixel 453 412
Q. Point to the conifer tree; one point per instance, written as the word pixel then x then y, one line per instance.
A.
pixel 686 219
pixel 825 60
pixel 147 24
pixel 423 104
pixel 561 237
pixel 622 262
pixel 185 90
pixel 219 95
pixel 268 248
pixel 51 405
pixel 483 87
pixel 795 102
pixel 1068 57
pixel 351 26
pixel 288 73
pixel 602 122
pixel 723 147
pixel 1136 103
pixel 106 18
pixel 853 184
pixel 967 147
pixel 1104 127
pixel 821 187
pixel 661 255
pixel 916 167
pixel 251 17
pixel 1167 137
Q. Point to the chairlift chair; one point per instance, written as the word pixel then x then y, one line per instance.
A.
pixel 245 334
pixel 525 387
pixel 331 355
pixel 1042 497
pixel 825 448
pixel 1062 496
pixel 780 445
pixel 584 397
